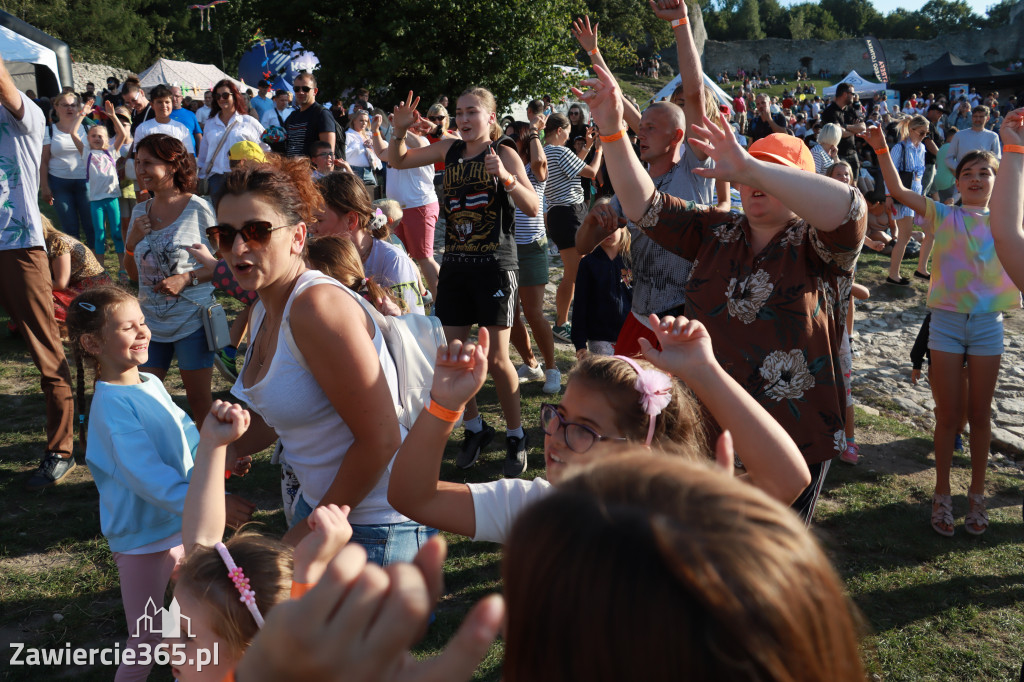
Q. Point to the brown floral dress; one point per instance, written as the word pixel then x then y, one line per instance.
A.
pixel 776 317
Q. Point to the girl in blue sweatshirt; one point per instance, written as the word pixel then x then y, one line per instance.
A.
pixel 140 452
pixel 604 295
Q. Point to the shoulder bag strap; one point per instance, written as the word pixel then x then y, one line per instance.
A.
pixel 220 143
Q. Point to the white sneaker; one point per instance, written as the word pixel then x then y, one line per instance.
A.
pixel 552 381
pixel 527 373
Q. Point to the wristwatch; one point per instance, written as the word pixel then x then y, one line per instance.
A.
pixel 193 278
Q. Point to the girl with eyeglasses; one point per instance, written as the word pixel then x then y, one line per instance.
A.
pixel 610 403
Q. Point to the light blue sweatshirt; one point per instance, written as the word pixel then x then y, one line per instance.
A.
pixel 140 452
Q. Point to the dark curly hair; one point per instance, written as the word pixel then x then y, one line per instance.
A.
pixel 171 150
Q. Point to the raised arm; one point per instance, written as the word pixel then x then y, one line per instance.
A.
pixel 772 459
pixel 592 168
pixel 10 96
pixel 690 74
pixel 509 170
pixel 415 489
pixel 75 137
pixel 893 184
pixel 204 516
pixel 538 159
pixel 586 35
pixel 123 135
pixel 1007 218
pixel 399 154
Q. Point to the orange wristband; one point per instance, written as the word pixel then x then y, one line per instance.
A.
pixel 1013 149
pixel 443 413
pixel 613 138
pixel 881 150
pixel 592 52
pixel 679 22
pixel 299 589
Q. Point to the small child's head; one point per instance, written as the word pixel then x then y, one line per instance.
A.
pixel 602 409
pixel 663 569
pixel 107 325
pixel 323 156
pixel 976 177
pixel 209 598
pixel 98 137
pixel 337 257
pixel 841 171
pixel 161 98
pixel 392 210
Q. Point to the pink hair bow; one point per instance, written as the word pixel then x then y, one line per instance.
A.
pixel 655 389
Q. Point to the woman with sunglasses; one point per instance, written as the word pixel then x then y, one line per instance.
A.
pixel 317 368
pixel 62 181
pixel 173 290
pixel 229 123
pixel 610 403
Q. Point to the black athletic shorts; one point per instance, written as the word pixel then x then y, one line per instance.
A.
pixel 562 223
pixel 485 297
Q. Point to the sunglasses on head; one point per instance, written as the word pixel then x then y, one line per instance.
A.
pixel 303 88
pixel 222 236
pixel 225 95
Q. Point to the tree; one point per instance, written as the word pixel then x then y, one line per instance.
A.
pixel 434 47
pixel 747 23
pixel 626 27
pixel 999 13
pixel 950 16
pixel 809 20
pixel 774 19
pixel 851 16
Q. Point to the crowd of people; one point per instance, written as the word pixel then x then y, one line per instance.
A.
pixel 709 395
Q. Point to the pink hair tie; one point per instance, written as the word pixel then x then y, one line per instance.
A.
pixel 655 389
pixel 241 583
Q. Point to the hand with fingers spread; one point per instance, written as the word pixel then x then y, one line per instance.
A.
pixel 406 115
pixel 668 10
pixel 732 162
pixel 460 371
pixel 586 35
pixel 359 622
pixel 604 97
pixel 685 346
pixel 329 532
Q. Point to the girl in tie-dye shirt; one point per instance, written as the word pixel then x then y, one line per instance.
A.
pixel 968 293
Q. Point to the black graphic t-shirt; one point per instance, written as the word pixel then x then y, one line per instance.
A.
pixel 479 212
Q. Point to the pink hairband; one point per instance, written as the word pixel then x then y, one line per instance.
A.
pixel 655 389
pixel 241 583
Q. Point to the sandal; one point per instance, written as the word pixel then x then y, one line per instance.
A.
pixel 976 521
pixel 942 514
pixel 902 281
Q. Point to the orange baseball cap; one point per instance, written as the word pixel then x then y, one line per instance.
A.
pixel 785 149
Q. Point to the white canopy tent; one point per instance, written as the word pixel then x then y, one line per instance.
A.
pixel 723 97
pixel 17 48
pixel 860 85
pixel 193 79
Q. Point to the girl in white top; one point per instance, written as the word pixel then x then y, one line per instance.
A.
pixel 608 401
pixel 103 184
pixel 317 373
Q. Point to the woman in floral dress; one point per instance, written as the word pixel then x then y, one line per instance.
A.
pixel 771 285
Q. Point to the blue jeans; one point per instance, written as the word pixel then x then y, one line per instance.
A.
pixel 71 202
pixel 385 543
pixel 192 351
pixel 215 182
pixel 365 173
pixel 108 210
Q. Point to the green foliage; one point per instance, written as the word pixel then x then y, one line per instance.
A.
pixel 747 22
pixel 810 20
pixel 434 47
pixel 628 28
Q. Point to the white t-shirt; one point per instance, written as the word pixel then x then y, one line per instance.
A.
pixel 356 152
pixel 392 268
pixel 411 187
pixel 173 128
pixel 65 160
pixel 101 174
pixel 202 113
pixel 497 504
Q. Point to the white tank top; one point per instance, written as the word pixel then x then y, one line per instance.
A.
pixel 313 435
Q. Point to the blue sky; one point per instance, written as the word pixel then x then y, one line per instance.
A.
pixel 886 6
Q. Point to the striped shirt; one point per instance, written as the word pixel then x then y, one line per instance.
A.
pixel 529 230
pixel 563 186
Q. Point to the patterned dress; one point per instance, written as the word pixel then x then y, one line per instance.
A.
pixel 776 317
pixel 86 271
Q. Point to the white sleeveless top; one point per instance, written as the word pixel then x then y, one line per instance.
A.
pixel 314 437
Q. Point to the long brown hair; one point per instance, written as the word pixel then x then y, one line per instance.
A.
pixel 643 567
pixel 345 193
pixel 337 257
pixel 241 101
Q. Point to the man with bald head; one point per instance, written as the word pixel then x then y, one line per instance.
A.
pixel 184 116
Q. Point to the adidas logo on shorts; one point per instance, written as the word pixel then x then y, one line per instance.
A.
pixel 499 294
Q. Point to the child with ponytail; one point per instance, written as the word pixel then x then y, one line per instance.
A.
pixel 609 402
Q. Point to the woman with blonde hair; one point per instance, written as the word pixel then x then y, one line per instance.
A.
pixel 62 177
pixel 908 157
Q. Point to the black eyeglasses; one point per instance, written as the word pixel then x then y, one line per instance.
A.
pixel 222 236
pixel 302 88
pixel 578 438
pixel 225 95
pixel 436 119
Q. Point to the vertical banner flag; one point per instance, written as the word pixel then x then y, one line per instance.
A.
pixel 877 58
